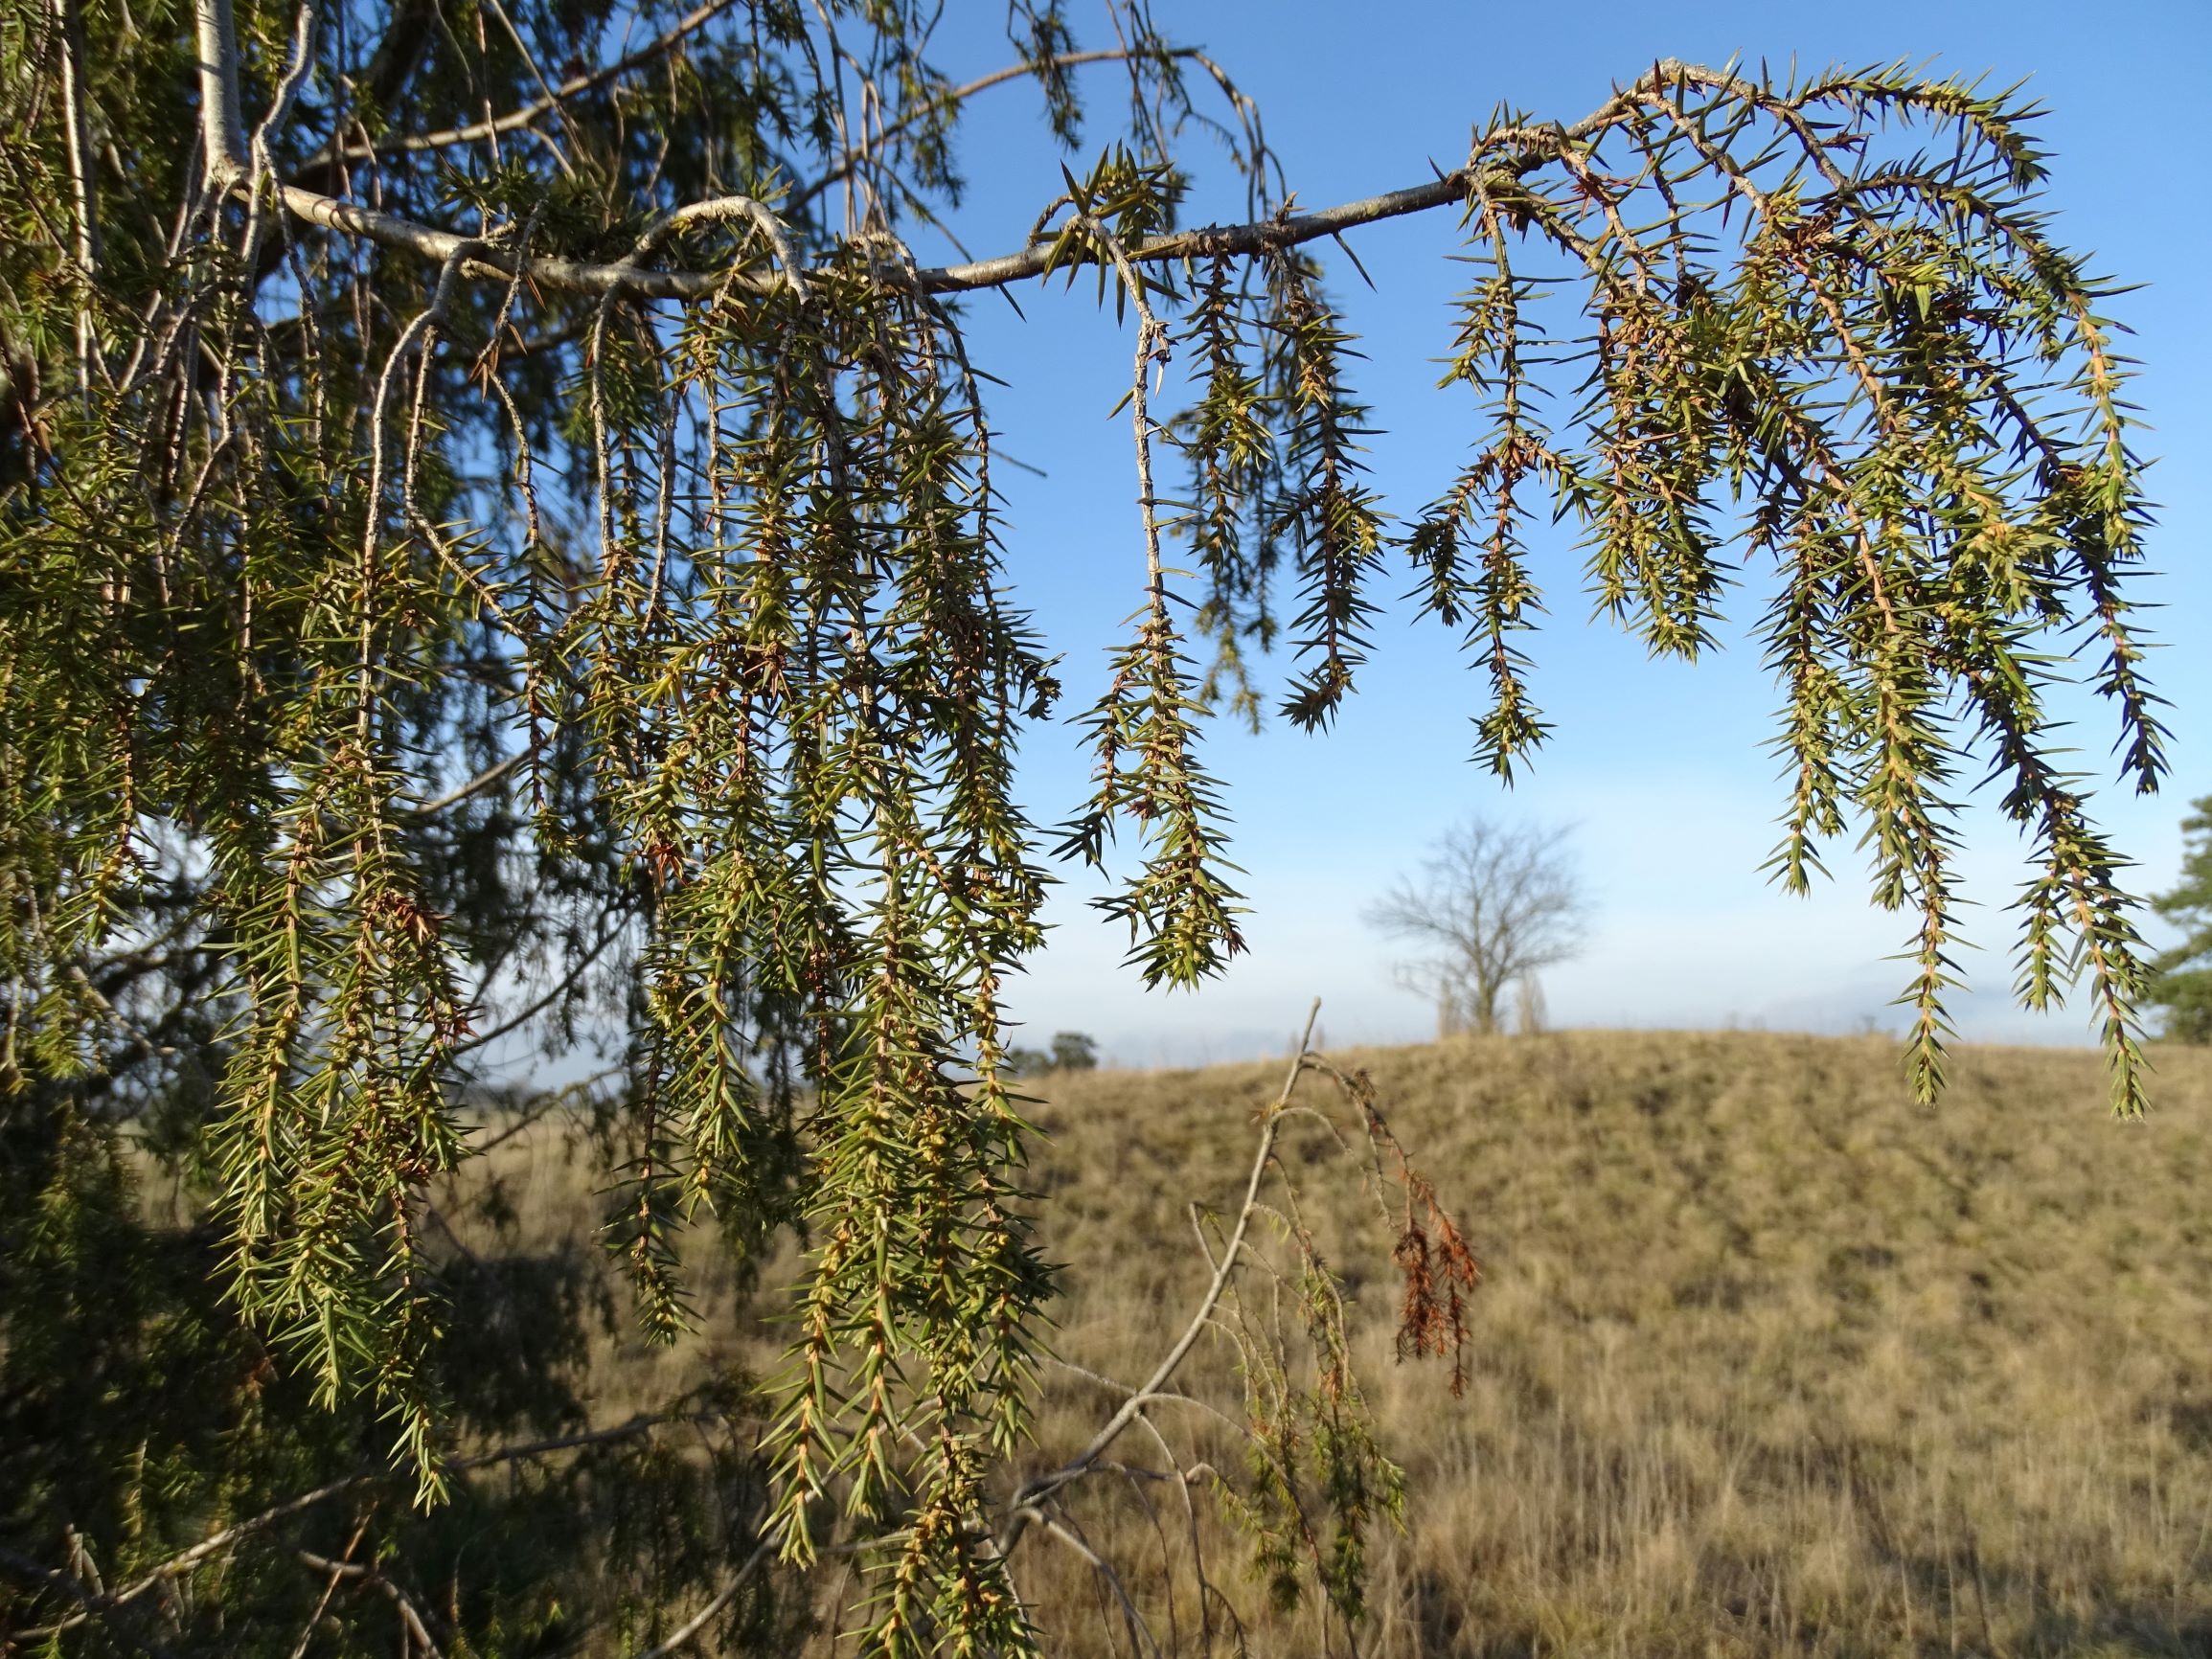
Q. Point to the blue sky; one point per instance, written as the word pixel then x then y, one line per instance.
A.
pixel 1659 770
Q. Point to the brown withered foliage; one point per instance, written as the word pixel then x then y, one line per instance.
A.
pixel 1439 1267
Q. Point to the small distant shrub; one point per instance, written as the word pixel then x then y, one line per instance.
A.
pixel 1072 1051
pixel 2181 978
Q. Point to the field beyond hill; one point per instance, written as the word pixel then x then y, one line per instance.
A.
pixel 1767 1359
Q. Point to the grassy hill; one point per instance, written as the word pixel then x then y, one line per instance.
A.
pixel 1767 1360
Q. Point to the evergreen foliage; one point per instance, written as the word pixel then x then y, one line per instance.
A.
pixel 498 548
pixel 2181 978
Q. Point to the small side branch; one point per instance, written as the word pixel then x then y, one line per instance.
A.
pixel 684 1633
pixel 225 1538
pixel 514 119
pixel 485 779
pixel 410 1615
pixel 1044 1486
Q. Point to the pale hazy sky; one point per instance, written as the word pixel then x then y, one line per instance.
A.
pixel 1660 769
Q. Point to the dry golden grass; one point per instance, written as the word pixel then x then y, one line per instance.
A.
pixel 1768 1360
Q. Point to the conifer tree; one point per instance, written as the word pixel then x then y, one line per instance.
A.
pixel 2181 977
pixel 498 546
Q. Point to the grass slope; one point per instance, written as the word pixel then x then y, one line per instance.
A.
pixel 1769 1359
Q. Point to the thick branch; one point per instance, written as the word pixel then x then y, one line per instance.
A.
pixel 635 281
pixel 639 282
pixel 222 124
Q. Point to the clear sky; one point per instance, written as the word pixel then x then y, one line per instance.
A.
pixel 1657 773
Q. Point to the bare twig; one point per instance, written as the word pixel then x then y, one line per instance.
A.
pixel 89 1601
pixel 577 83
pixel 514 1022
pixel 952 98
pixel 1166 1395
pixel 1044 1486
pixel 1138 1625
pixel 543 1107
pixel 410 1615
pixel 330 1588
pixel 690 1629
pixel 303 60
pixel 69 29
pixel 476 785
pixel 216 1542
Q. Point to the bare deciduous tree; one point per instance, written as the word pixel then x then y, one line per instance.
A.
pixel 1493 905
